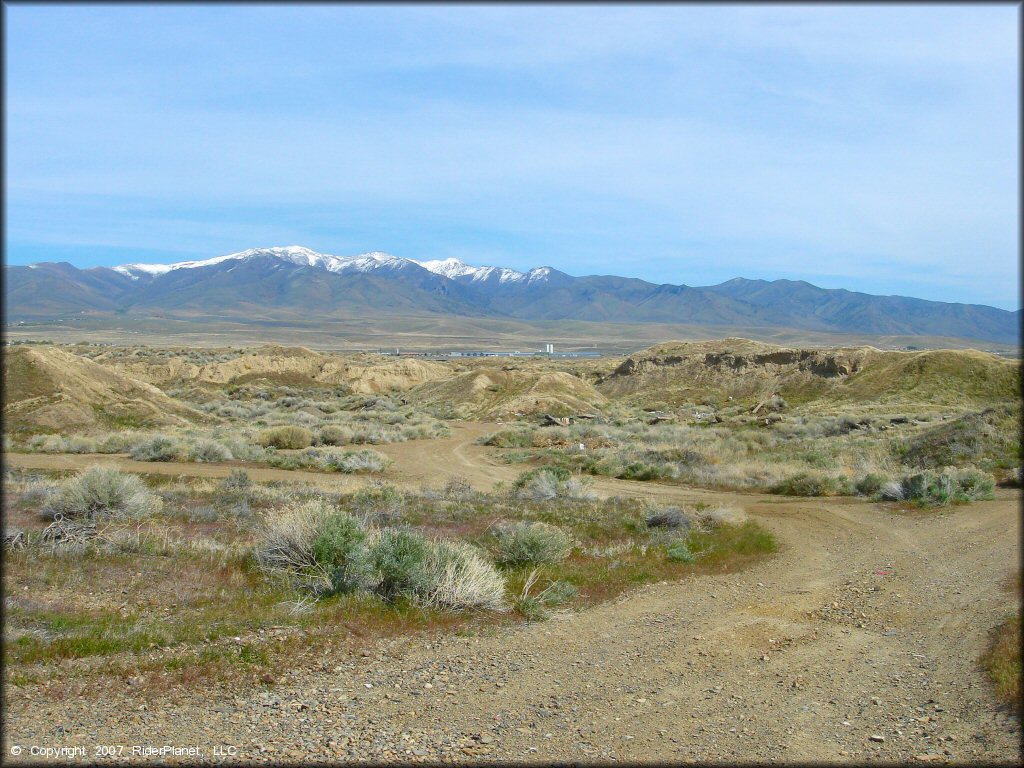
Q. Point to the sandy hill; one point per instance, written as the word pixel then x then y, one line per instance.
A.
pixel 295 366
pixel 499 393
pixel 47 389
pixel 680 372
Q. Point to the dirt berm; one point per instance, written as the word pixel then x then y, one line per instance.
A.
pixel 744 370
pixel 497 393
pixel 363 374
pixel 47 389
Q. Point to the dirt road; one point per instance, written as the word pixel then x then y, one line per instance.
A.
pixel 859 641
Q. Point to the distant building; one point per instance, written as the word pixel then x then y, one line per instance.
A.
pixel 549 350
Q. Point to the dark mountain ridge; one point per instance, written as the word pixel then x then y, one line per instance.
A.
pixel 282 283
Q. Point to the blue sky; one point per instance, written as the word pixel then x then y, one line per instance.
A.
pixel 866 147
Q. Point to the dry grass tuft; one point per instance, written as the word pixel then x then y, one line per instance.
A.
pixel 102 493
pixel 1003 662
pixel 461 577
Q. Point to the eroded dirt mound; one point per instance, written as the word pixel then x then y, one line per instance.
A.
pixel 743 369
pixel 364 374
pixel 393 375
pixel 741 355
pixel 48 389
pixel 504 393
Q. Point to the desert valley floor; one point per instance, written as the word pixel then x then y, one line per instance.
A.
pixel 860 638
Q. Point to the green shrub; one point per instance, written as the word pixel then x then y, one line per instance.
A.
pixel 340 548
pixel 100 493
pixel 531 608
pixel 399 558
pixel 509 438
pixel 641 470
pixel 576 487
pixel 61 444
pixel 357 461
pixel 954 486
pixel 975 485
pixel 678 551
pixel 116 442
pixel 545 483
pixel 285 546
pixel 208 451
pixel 559 592
pixel 986 437
pixel 870 485
pixel 334 434
pixel 237 480
pixel 159 448
pixel 328 460
pixel 812 484
pixel 36 494
pixel 379 502
pixel 531 542
pixel 81 445
pixel 539 485
pixel 284 461
pixel 534 607
pixel 289 436
pixel 457 488
pixel 928 488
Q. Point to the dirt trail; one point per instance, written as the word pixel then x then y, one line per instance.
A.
pixel 859 641
pixel 416 463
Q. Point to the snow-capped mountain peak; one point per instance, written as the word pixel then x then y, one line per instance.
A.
pixel 366 262
pixel 451 268
pixel 293 253
pixel 305 257
pixel 538 274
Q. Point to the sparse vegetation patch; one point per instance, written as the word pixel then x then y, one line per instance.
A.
pixel 533 543
pixel 102 493
pixel 235 556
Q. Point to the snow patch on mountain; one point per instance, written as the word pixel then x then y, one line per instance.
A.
pixel 538 274
pixel 133 270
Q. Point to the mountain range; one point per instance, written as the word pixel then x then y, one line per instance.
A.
pixel 286 283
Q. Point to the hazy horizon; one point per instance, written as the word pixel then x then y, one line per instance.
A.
pixel 867 148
